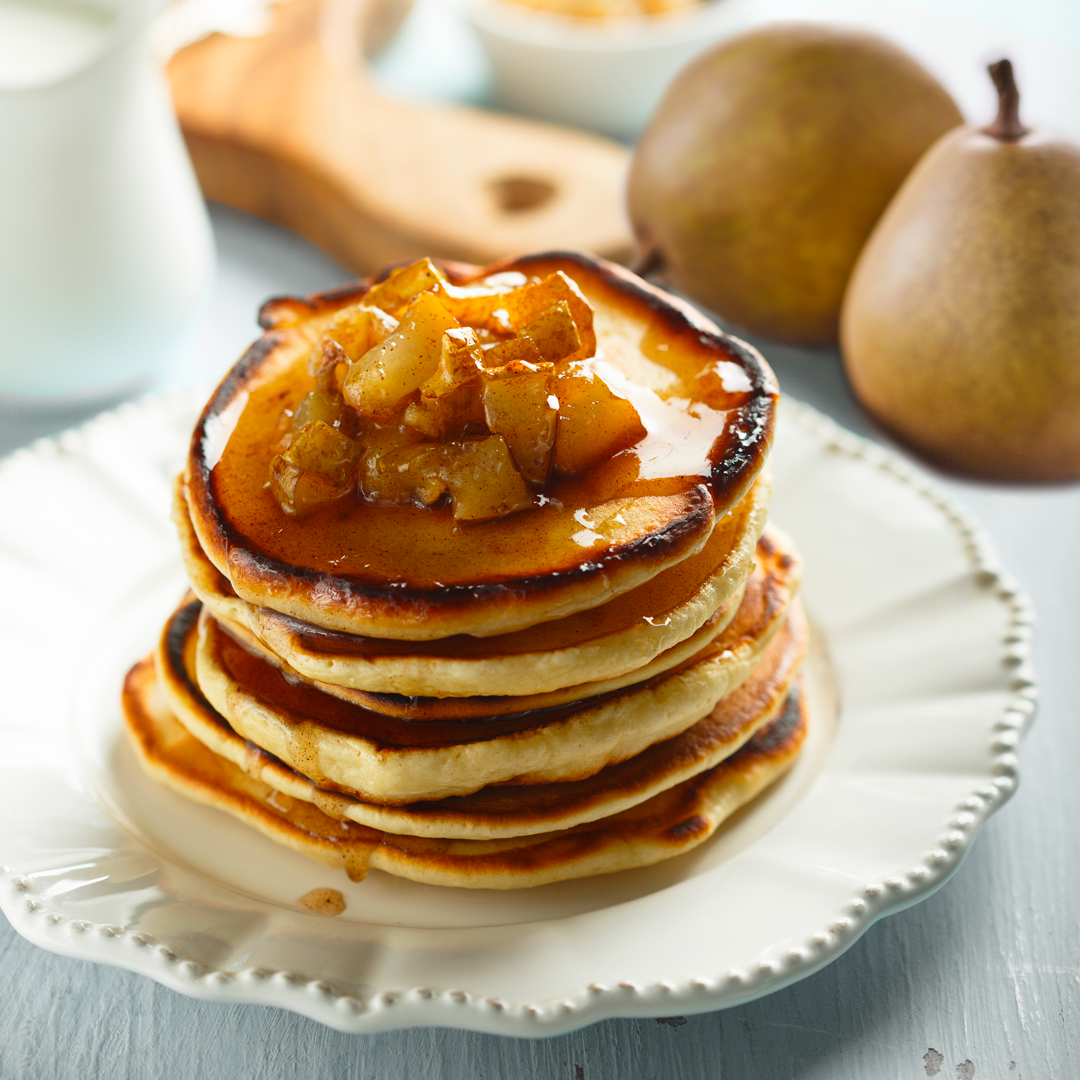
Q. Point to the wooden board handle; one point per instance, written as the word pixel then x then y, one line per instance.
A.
pixel 287 126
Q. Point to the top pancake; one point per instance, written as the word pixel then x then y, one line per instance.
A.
pixel 406 572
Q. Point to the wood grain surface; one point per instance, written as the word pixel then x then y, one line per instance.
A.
pixel 981 981
pixel 288 127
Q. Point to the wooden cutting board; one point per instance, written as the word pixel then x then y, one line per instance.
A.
pixel 288 126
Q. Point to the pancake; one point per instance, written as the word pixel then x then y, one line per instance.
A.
pixel 484 706
pixel 667 824
pixel 484 594
pixel 499 810
pixel 342 746
pixel 705 402
pixel 593 646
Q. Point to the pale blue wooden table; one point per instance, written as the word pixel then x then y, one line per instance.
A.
pixel 982 979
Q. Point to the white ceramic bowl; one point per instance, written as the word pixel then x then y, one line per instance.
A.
pixel 605 76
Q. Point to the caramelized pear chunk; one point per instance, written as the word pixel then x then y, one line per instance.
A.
pixel 594 422
pixel 526 304
pixel 460 361
pixel 477 305
pixel 324 405
pixel 449 404
pixel 404 474
pixel 483 481
pixel 387 374
pixel 481 307
pixel 401 286
pixel 358 328
pixel 513 350
pixel 324 361
pixel 519 405
pixel 555 334
pixel 479 476
pixel 315 469
pixel 460 412
pixel 352 333
pixel 422 416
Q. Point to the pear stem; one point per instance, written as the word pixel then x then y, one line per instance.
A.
pixel 1007 126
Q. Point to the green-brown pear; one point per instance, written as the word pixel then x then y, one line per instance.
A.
pixel 768 163
pixel 961 326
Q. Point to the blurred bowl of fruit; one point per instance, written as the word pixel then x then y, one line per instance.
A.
pixel 598 64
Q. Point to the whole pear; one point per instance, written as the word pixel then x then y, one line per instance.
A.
pixel 766 165
pixel 961 327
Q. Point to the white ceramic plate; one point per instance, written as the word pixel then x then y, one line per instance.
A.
pixel 919 639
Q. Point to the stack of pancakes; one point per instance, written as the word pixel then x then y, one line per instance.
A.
pixel 590 685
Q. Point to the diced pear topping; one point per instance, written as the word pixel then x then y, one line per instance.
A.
pixel 381 379
pixel 477 396
pixel 479 475
pixel 519 405
pixel 525 304
pixel 555 334
pixel 423 417
pixel 482 306
pixel 483 481
pixel 594 422
pixel 324 405
pixel 354 331
pixel 321 449
pixel 460 362
pixel 452 395
pixel 477 306
pixel 358 328
pixel 513 350
pixel 404 473
pixel 315 469
pixel 403 285
pixel 328 365
pixel 460 410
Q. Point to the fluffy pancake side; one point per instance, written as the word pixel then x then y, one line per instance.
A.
pixel 499 810
pixel 485 706
pixel 341 746
pixel 669 823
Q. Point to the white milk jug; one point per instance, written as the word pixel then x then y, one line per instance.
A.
pixel 105 245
